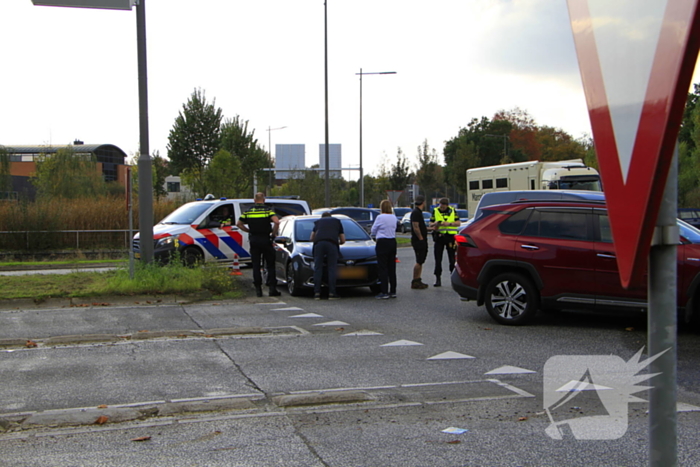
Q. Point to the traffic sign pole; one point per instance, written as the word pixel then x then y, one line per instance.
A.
pixel 661 328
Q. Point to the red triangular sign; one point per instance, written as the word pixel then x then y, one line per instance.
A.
pixel 637 60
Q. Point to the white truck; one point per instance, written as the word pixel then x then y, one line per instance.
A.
pixel 533 175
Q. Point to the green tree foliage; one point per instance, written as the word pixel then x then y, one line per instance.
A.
pixel 429 173
pixel 238 141
pixel 66 174
pixel 159 171
pixel 195 136
pixel 221 175
pixel 689 152
pixel 400 174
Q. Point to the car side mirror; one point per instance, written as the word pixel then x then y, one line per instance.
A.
pixel 282 240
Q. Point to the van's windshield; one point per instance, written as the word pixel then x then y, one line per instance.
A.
pixel 186 214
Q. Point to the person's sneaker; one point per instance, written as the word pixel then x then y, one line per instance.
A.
pixel 382 296
pixel 333 297
pixel 392 295
pixel 317 296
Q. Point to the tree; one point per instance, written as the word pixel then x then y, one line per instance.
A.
pixel 223 172
pixel 557 145
pixel 159 172
pixel 195 136
pixel 429 175
pixel 66 174
pixel 242 144
pixel 400 173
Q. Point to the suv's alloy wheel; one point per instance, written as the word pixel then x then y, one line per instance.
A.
pixel 511 298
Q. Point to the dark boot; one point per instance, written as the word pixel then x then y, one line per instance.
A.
pixel 258 291
pixel 437 283
pixel 274 292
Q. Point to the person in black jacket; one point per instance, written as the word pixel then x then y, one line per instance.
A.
pixel 327 236
pixel 261 223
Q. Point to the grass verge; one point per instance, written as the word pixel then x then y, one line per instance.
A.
pixel 153 279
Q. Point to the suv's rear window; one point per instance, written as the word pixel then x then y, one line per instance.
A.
pixel 514 224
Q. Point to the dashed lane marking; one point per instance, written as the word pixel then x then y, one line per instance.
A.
pixel 400 343
pixel 509 370
pixel 363 332
pixel 450 356
pixel 307 315
pixel 332 323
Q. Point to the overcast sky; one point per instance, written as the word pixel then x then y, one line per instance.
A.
pixel 71 73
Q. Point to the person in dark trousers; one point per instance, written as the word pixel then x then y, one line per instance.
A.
pixel 444 222
pixel 419 241
pixel 327 237
pixel 261 223
pixel 384 231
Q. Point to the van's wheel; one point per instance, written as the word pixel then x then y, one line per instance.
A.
pixel 192 257
pixel 292 287
pixel 511 298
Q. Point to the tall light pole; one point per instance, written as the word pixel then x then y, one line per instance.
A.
pixel 362 175
pixel 325 55
pixel 144 161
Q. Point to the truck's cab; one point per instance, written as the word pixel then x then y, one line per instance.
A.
pixel 205 230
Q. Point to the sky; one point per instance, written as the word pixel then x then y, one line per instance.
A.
pixel 71 73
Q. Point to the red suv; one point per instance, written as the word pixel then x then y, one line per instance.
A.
pixel 529 255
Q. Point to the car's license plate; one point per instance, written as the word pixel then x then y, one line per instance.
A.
pixel 352 272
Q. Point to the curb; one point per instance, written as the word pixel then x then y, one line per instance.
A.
pixel 102 415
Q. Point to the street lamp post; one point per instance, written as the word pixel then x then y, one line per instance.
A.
pixel 362 175
pixel 144 161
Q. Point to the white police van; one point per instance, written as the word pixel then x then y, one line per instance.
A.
pixel 199 231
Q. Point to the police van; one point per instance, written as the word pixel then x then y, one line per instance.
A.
pixel 205 230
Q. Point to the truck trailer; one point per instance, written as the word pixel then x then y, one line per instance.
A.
pixel 532 175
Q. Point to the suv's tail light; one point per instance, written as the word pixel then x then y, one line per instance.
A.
pixel 465 240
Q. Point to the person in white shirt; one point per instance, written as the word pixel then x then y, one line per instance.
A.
pixel 384 232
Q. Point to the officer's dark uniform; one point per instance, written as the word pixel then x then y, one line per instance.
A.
pixel 258 219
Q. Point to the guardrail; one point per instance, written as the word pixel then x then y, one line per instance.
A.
pixel 36 240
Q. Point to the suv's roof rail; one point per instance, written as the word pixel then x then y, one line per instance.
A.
pixel 558 201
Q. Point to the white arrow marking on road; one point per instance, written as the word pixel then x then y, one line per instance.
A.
pixel 291 308
pixel 363 332
pixel 307 315
pixel 332 323
pixel 273 303
pixel 626 50
pixel 401 342
pixel 509 370
pixel 450 356
pixel 578 385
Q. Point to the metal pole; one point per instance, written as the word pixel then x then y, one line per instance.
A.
pixel 144 162
pixel 362 177
pixel 662 327
pixel 325 50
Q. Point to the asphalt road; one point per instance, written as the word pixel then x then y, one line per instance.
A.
pixel 293 381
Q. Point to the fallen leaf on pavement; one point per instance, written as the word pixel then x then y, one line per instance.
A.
pixel 339 329
pixel 142 438
pixel 102 406
pixel 629 329
pixel 30 343
pixel 101 420
pixel 454 441
pixel 522 419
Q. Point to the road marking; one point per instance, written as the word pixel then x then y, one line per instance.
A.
pixel 509 370
pixel 363 332
pixel 401 342
pixel 332 323
pixel 450 356
pixel 307 315
pixel 291 308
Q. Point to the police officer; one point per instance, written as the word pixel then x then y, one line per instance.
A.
pixel 444 222
pixel 261 223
